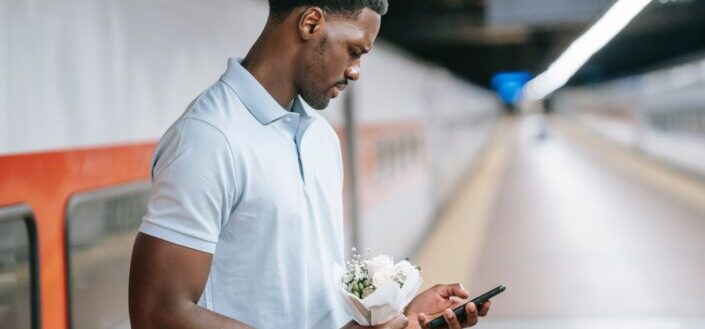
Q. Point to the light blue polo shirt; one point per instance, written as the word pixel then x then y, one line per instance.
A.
pixel 260 188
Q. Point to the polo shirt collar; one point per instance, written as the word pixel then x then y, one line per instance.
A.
pixel 303 110
pixel 256 99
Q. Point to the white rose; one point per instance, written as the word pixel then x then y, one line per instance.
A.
pixel 383 278
pixel 404 267
pixel 380 264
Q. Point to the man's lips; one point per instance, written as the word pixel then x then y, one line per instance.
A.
pixel 338 88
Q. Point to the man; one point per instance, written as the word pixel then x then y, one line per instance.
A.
pixel 245 216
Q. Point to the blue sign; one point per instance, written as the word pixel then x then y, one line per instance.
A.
pixel 508 85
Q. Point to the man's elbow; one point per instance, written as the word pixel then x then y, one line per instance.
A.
pixel 156 315
pixel 152 308
pixel 144 316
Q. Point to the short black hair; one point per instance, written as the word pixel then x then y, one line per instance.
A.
pixel 279 8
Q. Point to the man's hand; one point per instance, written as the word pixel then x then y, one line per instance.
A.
pixel 437 300
pixel 399 322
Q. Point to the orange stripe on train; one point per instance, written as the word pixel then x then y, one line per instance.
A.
pixel 45 181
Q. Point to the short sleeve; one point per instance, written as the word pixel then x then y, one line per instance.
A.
pixel 193 186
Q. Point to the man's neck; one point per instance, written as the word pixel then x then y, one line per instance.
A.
pixel 270 64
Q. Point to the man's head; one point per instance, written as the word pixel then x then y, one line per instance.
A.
pixel 331 35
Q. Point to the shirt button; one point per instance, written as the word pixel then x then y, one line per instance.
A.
pixel 287 119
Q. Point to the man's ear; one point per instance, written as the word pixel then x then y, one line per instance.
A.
pixel 312 20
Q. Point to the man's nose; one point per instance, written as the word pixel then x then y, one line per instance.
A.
pixel 353 72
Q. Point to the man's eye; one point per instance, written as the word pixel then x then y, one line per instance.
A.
pixel 354 53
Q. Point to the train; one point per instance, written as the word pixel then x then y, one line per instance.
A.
pixel 88 87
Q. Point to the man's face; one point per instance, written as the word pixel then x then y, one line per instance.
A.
pixel 332 58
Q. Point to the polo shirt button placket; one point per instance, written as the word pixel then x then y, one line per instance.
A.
pixel 293 128
pixel 304 172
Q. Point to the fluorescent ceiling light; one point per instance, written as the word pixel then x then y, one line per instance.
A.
pixel 580 51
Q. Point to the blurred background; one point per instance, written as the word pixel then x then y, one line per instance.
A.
pixel 554 146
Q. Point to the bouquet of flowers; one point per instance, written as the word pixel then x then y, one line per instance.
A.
pixel 376 290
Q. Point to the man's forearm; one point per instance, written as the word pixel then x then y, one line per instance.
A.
pixel 186 317
pixel 398 322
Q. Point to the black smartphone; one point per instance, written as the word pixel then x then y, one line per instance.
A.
pixel 459 311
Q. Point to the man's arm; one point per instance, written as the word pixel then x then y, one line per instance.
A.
pixel 399 322
pixel 166 281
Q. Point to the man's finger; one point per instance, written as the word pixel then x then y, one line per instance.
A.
pixel 456 289
pixel 451 319
pixel 471 311
pixel 422 320
pixel 485 308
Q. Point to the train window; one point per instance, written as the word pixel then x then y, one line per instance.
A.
pixel 100 230
pixel 414 147
pixel 395 154
pixel 382 159
pixel 403 153
pixel 19 304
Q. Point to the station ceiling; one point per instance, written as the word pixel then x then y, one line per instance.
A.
pixel 478 38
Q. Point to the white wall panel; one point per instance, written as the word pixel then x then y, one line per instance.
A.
pixel 392 87
pixel 87 72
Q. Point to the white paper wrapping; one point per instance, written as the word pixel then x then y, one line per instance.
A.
pixel 383 305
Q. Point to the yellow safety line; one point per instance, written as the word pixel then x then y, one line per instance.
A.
pixel 452 250
pixel 642 167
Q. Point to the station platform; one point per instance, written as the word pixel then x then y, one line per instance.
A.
pixel 584 233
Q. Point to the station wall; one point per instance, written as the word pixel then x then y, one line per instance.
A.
pixel 659 113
